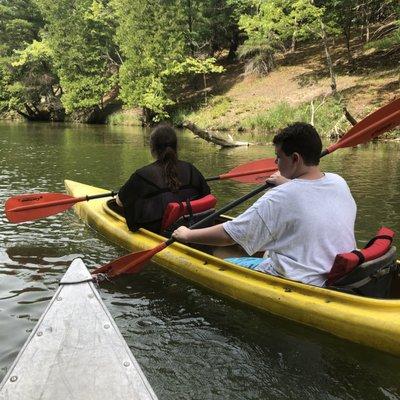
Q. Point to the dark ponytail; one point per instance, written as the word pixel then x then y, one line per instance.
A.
pixel 163 143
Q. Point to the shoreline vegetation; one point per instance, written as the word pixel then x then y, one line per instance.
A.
pixel 228 66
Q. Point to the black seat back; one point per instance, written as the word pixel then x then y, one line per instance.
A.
pixel 372 278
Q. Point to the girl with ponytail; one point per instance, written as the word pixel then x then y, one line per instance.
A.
pixel 146 194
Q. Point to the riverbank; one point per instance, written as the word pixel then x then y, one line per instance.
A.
pixel 299 89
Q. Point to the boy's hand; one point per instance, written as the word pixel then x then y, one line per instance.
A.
pixel 277 179
pixel 182 234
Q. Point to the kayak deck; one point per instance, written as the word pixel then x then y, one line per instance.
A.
pixel 76 351
pixel 372 322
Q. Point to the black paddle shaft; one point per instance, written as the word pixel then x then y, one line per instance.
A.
pixel 224 209
pixel 231 205
pixel 213 178
pixel 99 196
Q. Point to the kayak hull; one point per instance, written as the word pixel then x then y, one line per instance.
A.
pixel 371 322
pixel 76 351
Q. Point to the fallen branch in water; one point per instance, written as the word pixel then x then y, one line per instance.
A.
pixel 213 138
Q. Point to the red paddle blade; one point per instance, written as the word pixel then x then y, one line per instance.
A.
pixel 28 207
pixel 253 172
pixel 380 121
pixel 129 264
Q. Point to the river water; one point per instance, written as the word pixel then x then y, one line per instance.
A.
pixel 190 343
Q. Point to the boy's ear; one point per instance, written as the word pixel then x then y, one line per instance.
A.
pixel 295 157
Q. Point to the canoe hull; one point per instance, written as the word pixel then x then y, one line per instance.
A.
pixel 372 322
pixel 76 351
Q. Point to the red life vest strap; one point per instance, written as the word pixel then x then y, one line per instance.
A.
pixel 176 210
pixel 375 248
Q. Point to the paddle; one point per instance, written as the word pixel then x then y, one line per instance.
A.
pixel 252 172
pixel 381 120
pixel 28 207
pixel 134 262
pixel 373 125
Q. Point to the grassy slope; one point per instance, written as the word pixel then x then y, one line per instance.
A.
pixel 236 101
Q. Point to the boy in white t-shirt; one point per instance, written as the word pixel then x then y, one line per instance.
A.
pixel 301 224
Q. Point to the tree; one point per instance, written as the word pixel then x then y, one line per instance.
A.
pixel 271 25
pixel 20 24
pixel 156 38
pixel 35 89
pixel 80 36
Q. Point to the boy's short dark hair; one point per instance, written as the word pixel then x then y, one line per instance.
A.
pixel 300 138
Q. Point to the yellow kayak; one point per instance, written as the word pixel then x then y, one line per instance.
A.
pixel 371 322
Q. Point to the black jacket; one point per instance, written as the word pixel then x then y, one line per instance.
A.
pixel 145 194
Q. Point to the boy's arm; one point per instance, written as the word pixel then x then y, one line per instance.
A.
pixel 214 235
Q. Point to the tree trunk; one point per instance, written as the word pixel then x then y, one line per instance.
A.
pixel 293 45
pixel 347 36
pixel 190 26
pixel 366 22
pixel 205 88
pixel 212 137
pixel 328 58
pixel 34 115
pixel 234 44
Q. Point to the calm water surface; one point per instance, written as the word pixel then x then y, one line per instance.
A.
pixel 190 343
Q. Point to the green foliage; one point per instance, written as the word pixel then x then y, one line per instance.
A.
pixel 35 52
pixel 28 83
pixel 80 35
pixel 271 25
pixel 150 41
pixel 210 25
pixel 86 52
pixel 193 66
pixel 20 21
pixel 157 56
pixel 34 78
pixel 284 114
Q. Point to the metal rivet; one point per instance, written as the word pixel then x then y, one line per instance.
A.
pixel 13 378
pixel 106 326
pixel 40 333
pixel 59 298
pixel 127 364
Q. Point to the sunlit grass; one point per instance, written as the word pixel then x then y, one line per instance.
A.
pixel 326 115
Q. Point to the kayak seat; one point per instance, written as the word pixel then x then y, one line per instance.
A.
pixel 372 278
pixel 187 213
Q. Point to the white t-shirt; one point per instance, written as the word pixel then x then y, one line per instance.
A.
pixel 301 225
